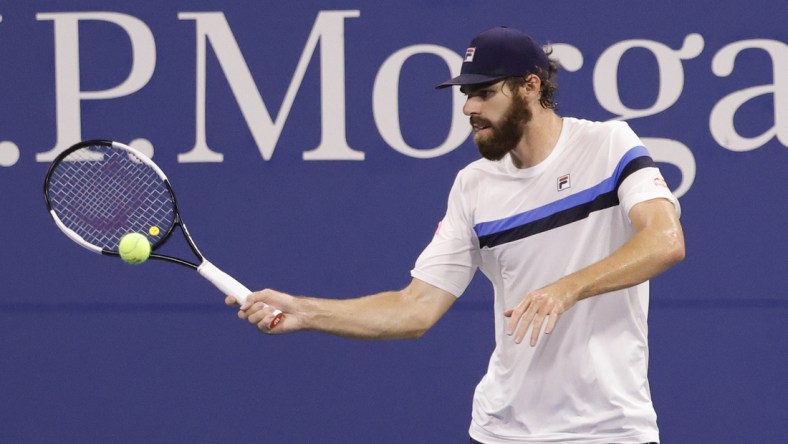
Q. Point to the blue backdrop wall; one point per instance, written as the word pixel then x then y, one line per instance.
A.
pixel 311 154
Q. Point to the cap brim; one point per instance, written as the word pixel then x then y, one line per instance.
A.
pixel 469 79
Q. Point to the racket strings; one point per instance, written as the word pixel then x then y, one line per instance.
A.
pixel 103 193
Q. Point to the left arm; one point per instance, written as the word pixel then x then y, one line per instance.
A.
pixel 657 245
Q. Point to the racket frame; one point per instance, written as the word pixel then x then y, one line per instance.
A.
pixel 177 220
pixel 220 279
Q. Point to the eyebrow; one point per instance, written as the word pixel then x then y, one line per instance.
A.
pixel 470 89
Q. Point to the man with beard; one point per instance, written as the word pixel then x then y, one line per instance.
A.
pixel 569 219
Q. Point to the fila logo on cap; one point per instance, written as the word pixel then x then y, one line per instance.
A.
pixel 469 54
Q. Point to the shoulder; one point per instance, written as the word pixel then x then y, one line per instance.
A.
pixel 474 178
pixel 615 138
pixel 602 130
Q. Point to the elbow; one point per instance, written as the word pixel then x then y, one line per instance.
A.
pixel 421 308
pixel 679 253
pixel 411 333
pixel 415 335
pixel 418 325
pixel 674 251
pixel 419 333
pixel 417 330
pixel 410 327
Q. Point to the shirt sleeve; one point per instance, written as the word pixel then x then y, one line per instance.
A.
pixel 644 180
pixel 450 260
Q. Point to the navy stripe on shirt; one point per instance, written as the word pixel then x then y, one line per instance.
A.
pixel 564 211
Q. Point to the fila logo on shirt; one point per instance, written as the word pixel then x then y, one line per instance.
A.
pixel 564 183
pixel 469 54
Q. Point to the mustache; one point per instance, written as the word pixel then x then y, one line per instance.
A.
pixel 480 121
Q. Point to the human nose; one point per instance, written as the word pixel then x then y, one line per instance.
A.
pixel 471 106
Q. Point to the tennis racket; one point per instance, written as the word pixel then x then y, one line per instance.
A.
pixel 97 191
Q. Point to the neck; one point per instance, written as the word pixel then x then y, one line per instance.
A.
pixel 539 138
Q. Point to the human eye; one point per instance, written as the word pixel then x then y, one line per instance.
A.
pixel 485 94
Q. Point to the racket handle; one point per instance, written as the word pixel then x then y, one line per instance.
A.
pixel 230 286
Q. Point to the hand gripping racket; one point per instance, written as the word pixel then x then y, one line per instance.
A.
pixel 98 190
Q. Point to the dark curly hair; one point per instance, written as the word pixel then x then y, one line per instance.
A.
pixel 549 82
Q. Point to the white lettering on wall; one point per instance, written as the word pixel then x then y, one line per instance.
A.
pixel 68 94
pixel 9 152
pixel 328 38
pixel 671 75
pixel 569 57
pixel 385 102
pixel 328 29
pixel 721 121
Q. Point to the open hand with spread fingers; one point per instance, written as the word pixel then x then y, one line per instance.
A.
pixel 547 303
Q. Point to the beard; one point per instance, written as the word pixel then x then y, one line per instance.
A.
pixel 504 135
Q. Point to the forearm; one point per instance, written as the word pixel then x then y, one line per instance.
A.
pixel 658 243
pixel 404 314
pixel 647 254
pixel 371 317
pixel 634 263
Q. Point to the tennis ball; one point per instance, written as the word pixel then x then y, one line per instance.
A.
pixel 134 248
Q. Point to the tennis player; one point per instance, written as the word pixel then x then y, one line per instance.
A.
pixel 569 219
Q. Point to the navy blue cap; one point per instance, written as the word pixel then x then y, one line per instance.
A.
pixel 499 53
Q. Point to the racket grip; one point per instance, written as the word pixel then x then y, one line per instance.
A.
pixel 232 287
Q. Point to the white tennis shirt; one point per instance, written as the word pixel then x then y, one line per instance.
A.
pixel 586 382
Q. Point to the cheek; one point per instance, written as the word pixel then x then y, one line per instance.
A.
pixel 497 111
pixel 496 119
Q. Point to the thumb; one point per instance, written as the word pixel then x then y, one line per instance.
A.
pixel 265 296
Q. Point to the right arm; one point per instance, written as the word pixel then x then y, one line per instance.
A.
pixel 452 256
pixel 403 314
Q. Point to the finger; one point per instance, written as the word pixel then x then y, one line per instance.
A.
pixel 260 306
pixel 258 296
pixel 539 305
pixel 260 311
pixel 250 300
pixel 251 306
pixel 515 315
pixel 243 314
pixel 551 323
pixel 265 321
pixel 546 310
pixel 230 300
pixel 255 316
pixel 264 326
pixel 525 323
pixel 537 328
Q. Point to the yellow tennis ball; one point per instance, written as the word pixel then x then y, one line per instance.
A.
pixel 134 248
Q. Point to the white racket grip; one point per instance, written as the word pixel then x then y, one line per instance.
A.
pixel 230 286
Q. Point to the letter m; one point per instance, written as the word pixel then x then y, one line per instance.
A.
pixel 212 27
